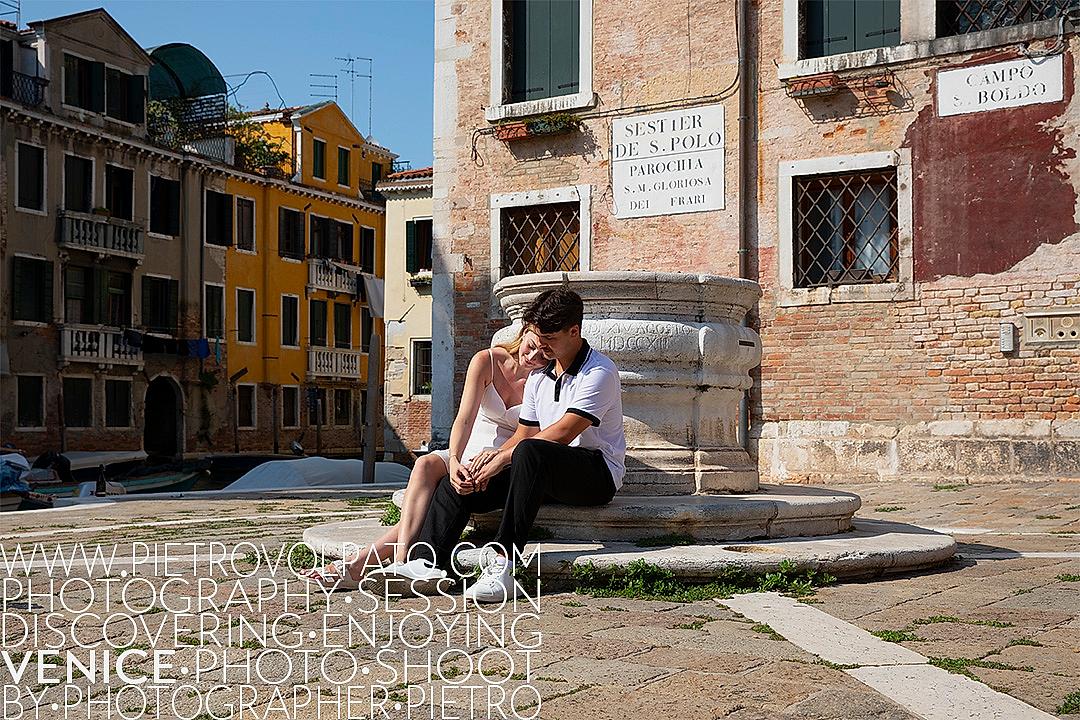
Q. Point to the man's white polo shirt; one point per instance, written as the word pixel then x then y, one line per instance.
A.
pixel 590 388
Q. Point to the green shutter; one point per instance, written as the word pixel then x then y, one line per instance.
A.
pixel 136 99
pixel 101 295
pixel 537 49
pixel 564 44
pixel 97 86
pixel 18 285
pixel 891 29
pixel 173 306
pixel 840 31
pixel 46 292
pixel 411 264
pixel 174 207
pixel 151 318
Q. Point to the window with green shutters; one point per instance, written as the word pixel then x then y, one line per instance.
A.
pixel 290 320
pixel 320 237
pixel 119 191
pixel 542 48
pixel 343 156
pixel 32 289
pixel 31 177
pixel 245 315
pixel 84 83
pixel 30 401
pixel 214 311
pixel 318 159
pixel 219 218
pixel 164 206
pixel 342 406
pixel 831 27
pixel 160 304
pixel 125 96
pixel 116 298
pixel 342 325
pixel 417 245
pixel 366 328
pixel 118 403
pixel 341 244
pixel 367 249
pixel 78 402
pixel 291 233
pixel 80 299
pixel 290 406
pixel 317 323
pixel 245 406
pixel 245 224
pixel 78 183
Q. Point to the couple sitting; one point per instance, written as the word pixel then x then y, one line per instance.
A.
pixel 540 419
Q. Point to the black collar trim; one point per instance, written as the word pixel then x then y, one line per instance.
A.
pixel 575 367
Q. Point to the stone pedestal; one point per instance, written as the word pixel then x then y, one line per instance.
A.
pixel 684 358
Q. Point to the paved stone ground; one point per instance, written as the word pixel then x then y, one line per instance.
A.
pixel 1011 601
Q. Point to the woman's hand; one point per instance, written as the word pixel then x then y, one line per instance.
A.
pixel 493 462
pixel 481 459
pixel 461 478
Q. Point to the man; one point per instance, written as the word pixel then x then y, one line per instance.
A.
pixel 569 447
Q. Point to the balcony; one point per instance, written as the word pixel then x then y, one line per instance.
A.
pixel 86 343
pixel 334 363
pixel 101 234
pixel 333 276
pixel 27 89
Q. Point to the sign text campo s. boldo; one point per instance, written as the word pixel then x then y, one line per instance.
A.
pixel 1000 85
pixel 668 163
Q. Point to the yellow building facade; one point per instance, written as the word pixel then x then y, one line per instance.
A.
pixel 300 297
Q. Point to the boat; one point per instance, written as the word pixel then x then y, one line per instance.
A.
pixel 15 490
pixel 316 472
pixel 229 467
pixel 168 477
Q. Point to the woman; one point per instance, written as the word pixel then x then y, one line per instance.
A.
pixel 487 417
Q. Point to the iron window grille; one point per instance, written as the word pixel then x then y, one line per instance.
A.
pixel 541 238
pixel 959 17
pixel 846 229
pixel 422 367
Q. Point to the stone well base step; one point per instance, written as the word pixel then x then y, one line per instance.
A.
pixel 872 547
pixel 776 511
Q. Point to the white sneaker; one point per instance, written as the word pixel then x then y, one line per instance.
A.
pixel 496 584
pixel 416 577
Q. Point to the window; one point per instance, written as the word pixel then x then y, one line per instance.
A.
pixel 320 236
pixel 245 406
pixel 117 299
pixel 290 406
pixel 219 220
pixel 78 402
pixel 119 189
pixel 164 206
pixel 80 300
pixel 32 286
pixel 342 407
pixel 84 83
pixel 367 249
pixel 959 17
pixel 160 304
pixel 540 238
pixel 365 329
pixel 31 178
pixel 290 320
pixel 417 245
pixel 245 315
pixel 78 183
pixel 30 399
pixel 343 166
pixel 245 224
pixel 376 173
pixel 125 96
pixel 831 27
pixel 342 326
pixel 317 323
pixel 317 410
pixel 290 233
pixel 845 228
pixel 214 311
pixel 421 366
pixel 542 43
pixel 341 241
pixel 318 159
pixel 118 403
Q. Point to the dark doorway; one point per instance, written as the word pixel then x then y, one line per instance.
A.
pixel 163 419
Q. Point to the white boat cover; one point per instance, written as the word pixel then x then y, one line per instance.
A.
pixel 316 472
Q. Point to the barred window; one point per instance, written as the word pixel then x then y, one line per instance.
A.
pixel 342 407
pixel 959 17
pixel 845 228
pixel 421 380
pixel 540 238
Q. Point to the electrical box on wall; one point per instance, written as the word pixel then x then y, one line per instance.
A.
pixel 1053 327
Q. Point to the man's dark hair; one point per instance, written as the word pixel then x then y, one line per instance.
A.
pixel 554 310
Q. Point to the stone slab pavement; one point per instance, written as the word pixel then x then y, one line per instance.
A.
pixel 1005 614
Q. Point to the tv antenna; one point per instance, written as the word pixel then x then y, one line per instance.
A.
pixel 353 73
pixel 321 83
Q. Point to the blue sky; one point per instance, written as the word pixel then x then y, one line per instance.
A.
pixel 290 39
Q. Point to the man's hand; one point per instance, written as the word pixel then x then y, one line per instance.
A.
pixel 461 479
pixel 493 462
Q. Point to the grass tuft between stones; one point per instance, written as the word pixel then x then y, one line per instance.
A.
pixel 665 540
pixel 960 666
pixel 646 581
pixel 1070 705
pixel 1068 577
pixel 947 487
pixel 888 508
pixel 391 514
pixel 897 636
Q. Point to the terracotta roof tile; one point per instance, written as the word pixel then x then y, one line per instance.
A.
pixel 410 174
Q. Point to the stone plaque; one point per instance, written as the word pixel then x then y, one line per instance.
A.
pixel 1000 85
pixel 668 163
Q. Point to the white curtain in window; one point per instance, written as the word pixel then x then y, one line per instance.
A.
pixel 872 230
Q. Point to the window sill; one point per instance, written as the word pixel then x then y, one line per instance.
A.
pixel 30 429
pixel 31 323
pixel 159 236
pixel 883 292
pixel 247 344
pixel 561 103
pixel 918 50
pixel 296 261
pixel 31 211
pixel 247 252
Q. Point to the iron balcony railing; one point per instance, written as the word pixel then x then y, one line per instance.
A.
pixel 101 234
pixel 333 276
pixel 90 343
pixel 28 89
pixel 334 363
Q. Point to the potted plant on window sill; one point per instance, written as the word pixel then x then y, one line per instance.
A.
pixel 102 211
pixel 421 278
pixel 549 124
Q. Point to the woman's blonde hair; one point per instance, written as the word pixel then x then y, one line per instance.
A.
pixel 512 346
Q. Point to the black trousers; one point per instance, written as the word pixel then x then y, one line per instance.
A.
pixel 540 470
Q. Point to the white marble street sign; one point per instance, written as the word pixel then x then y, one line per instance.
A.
pixel 668 163
pixel 1000 85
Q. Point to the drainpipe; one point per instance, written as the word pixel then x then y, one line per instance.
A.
pixel 746 183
